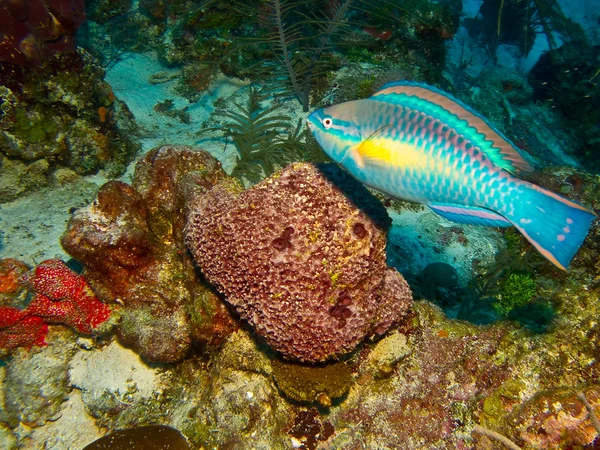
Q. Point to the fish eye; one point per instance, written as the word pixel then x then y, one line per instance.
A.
pixel 327 122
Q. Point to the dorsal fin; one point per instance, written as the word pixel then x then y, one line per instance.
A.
pixel 502 151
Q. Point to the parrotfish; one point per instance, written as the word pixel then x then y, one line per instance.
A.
pixel 418 143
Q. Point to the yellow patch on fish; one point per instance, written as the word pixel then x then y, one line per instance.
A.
pixel 382 152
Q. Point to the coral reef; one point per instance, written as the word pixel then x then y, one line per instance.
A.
pixel 60 296
pixel 296 47
pixel 130 242
pixel 60 116
pixel 33 31
pixel 301 262
pixel 103 10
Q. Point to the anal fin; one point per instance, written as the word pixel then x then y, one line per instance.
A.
pixel 471 215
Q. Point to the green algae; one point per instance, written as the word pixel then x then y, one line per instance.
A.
pixel 517 290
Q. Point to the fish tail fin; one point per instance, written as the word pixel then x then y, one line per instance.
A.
pixel 555 226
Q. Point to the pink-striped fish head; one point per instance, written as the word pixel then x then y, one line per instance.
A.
pixel 336 129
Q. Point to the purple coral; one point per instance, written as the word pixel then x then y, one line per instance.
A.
pixel 300 261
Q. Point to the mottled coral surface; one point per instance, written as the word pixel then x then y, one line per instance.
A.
pixel 301 257
pixel 59 296
pixel 130 242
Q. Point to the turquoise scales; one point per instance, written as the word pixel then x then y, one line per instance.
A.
pixel 417 143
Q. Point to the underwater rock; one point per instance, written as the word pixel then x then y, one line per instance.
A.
pixel 12 291
pixel 556 418
pixel 130 242
pixel 301 257
pixel 112 380
pixel 232 401
pixel 8 440
pixel 37 381
pixel 33 31
pixel 383 357
pixel 60 114
pixel 163 337
pixel 18 177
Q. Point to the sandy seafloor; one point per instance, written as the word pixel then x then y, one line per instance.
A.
pixel 31 228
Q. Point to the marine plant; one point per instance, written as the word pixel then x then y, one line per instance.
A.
pixel 265 139
pixel 289 36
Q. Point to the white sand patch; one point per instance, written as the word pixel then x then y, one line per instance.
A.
pixel 114 371
pixel 32 225
pixel 129 79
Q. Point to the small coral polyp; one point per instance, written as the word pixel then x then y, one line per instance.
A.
pixel 302 262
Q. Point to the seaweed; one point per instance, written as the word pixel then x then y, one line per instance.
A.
pixel 265 139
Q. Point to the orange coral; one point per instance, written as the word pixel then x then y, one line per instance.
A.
pixel 102 112
pixel 10 272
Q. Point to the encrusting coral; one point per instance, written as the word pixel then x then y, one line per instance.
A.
pixel 61 296
pixel 302 262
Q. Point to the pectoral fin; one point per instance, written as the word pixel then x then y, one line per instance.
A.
pixel 373 151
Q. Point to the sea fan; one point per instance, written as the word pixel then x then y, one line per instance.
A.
pixel 291 42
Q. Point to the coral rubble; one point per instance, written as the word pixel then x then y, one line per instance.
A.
pixel 300 261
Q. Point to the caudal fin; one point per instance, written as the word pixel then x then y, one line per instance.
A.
pixel 554 225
